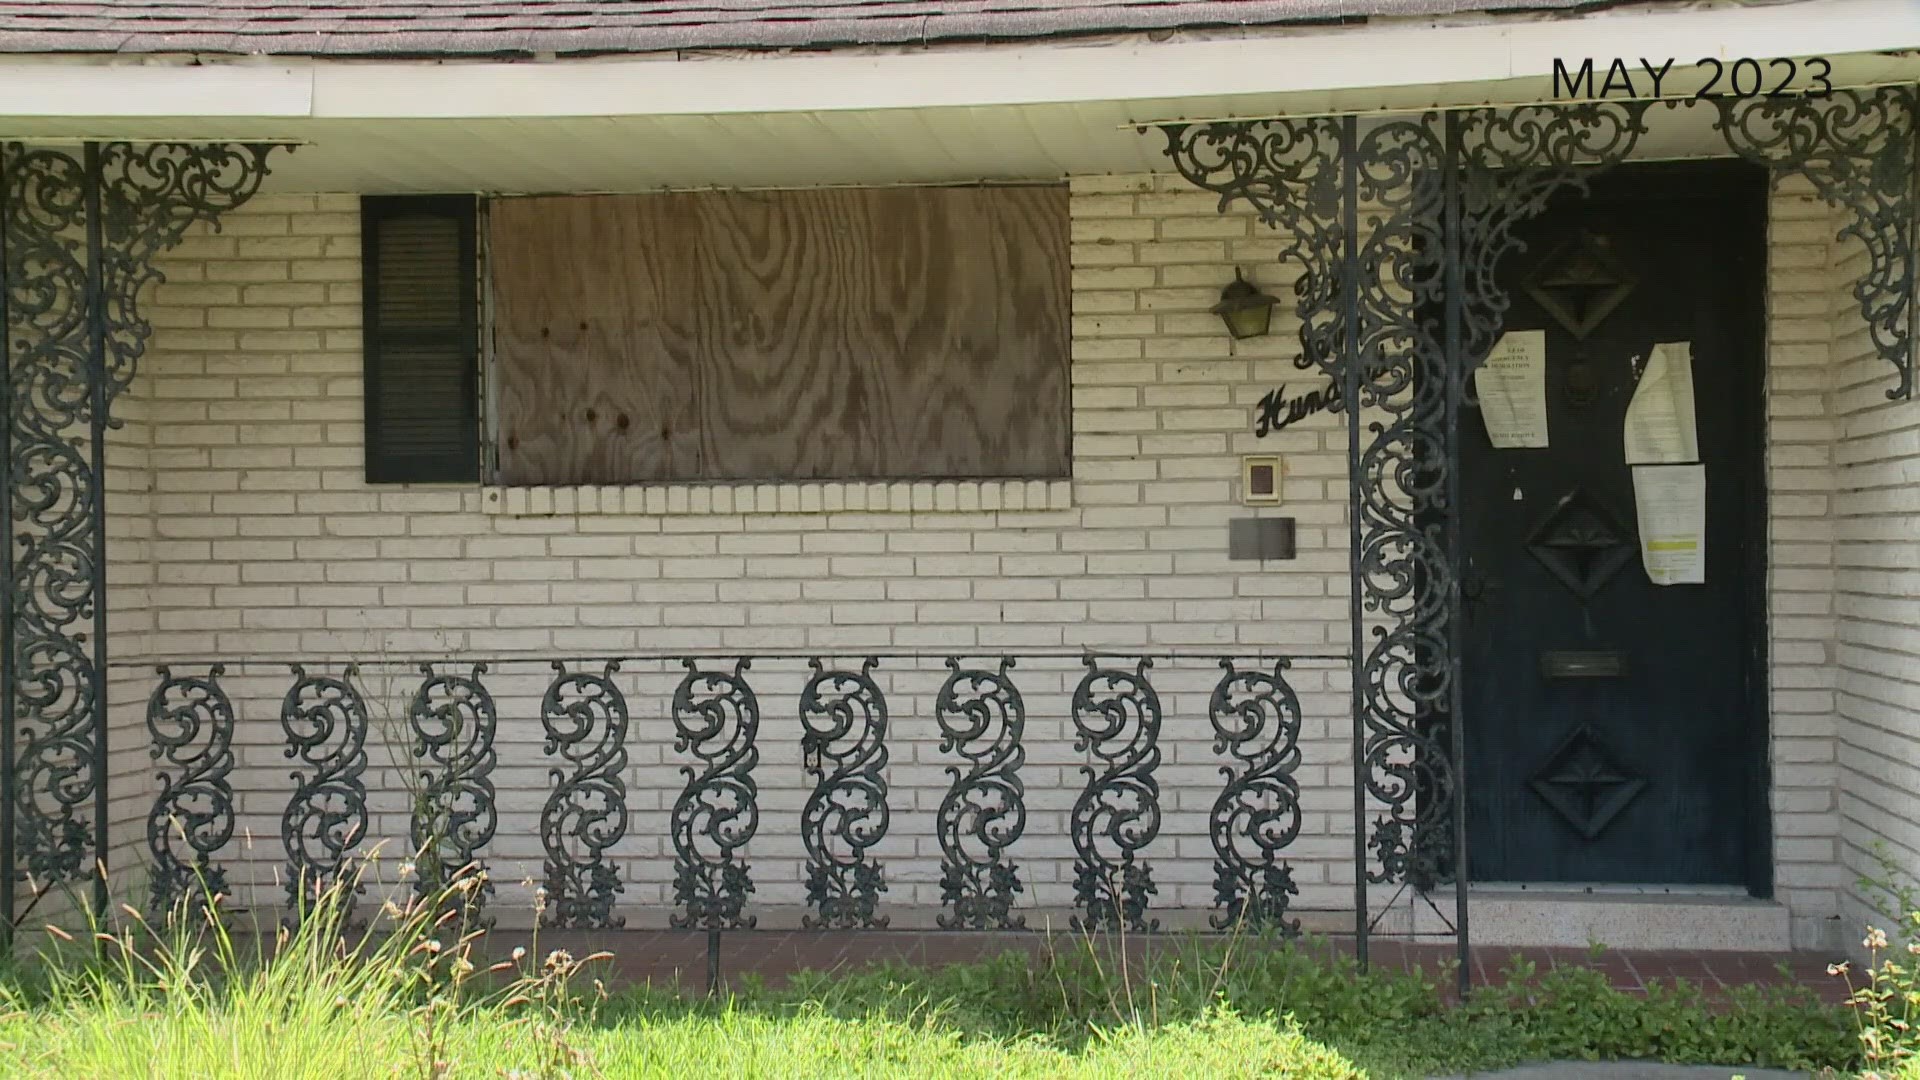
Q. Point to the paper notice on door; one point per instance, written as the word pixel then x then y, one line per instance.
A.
pixel 1512 388
pixel 1671 501
pixel 1660 426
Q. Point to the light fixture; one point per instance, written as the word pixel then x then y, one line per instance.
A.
pixel 1245 309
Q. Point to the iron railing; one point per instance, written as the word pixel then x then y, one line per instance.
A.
pixel 978 712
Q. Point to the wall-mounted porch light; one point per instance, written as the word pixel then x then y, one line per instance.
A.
pixel 1245 309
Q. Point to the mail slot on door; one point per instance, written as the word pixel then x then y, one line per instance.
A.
pixel 1583 665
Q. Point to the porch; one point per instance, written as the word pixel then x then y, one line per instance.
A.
pixel 1036 573
pixel 1052 695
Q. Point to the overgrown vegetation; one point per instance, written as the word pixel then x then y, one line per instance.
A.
pixel 1387 1024
pixel 421 999
pixel 1885 997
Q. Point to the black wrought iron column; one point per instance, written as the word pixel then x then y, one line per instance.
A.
pixel 1400 458
pixel 1347 370
pixel 52 574
pixel 1398 225
pixel 78 236
pixel 1454 370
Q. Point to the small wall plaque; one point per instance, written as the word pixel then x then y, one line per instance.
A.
pixel 1260 479
pixel 1260 538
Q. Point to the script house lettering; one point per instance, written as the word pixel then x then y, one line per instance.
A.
pixel 1276 410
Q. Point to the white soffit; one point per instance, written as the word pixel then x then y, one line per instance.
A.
pixel 1378 55
pixel 1005 113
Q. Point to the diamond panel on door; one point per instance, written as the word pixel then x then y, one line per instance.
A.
pixel 1581 543
pixel 1585 784
pixel 1581 282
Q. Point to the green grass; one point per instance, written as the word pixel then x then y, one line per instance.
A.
pixel 1385 1024
pixel 682 1045
pixel 196 1004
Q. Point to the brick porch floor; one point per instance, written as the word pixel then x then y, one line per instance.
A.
pixel 679 958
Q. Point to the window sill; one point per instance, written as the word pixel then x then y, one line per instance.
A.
pixel 920 496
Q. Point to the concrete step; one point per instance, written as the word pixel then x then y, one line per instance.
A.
pixel 1573 917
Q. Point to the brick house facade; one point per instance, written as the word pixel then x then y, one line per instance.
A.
pixel 247 529
pixel 242 530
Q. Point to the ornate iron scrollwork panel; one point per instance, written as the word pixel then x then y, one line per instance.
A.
pixel 844 716
pixel 151 193
pixel 585 717
pixel 982 718
pixel 453 720
pixel 1116 719
pixel 56 569
pixel 1402 454
pixel 325 720
pixel 1289 173
pixel 1511 164
pixel 1256 718
pixel 190 721
pixel 80 236
pixel 716 717
pixel 1443 198
pixel 1857 147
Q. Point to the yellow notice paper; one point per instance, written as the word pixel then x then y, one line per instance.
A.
pixel 1660 426
pixel 1512 388
pixel 1671 501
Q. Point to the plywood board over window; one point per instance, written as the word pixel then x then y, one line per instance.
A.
pixel 783 335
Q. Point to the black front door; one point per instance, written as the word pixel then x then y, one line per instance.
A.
pixel 1616 728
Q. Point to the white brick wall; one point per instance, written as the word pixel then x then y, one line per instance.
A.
pixel 130 567
pixel 1875 520
pixel 1801 305
pixel 265 543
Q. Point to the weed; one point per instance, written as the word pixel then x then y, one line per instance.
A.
pixel 414 997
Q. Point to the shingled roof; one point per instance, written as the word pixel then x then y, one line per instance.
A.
pixel 430 28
